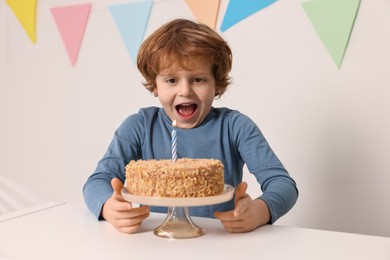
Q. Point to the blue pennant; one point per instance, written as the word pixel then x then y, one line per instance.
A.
pixel 131 20
pixel 238 10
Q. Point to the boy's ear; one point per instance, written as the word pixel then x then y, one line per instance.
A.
pixel 217 92
pixel 155 92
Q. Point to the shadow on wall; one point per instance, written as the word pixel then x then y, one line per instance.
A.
pixel 351 163
pixel 14 196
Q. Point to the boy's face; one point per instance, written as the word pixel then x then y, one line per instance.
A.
pixel 187 95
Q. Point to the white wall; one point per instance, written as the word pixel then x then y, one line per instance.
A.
pixel 329 126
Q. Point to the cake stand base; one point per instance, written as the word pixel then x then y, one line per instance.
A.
pixel 178 224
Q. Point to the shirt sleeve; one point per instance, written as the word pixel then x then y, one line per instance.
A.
pixel 125 146
pixel 279 189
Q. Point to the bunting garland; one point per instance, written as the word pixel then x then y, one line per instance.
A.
pixel 25 12
pixel 71 22
pixel 238 10
pixel 204 15
pixel 332 19
pixel 131 20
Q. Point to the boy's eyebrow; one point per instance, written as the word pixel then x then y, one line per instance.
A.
pixel 193 74
pixel 165 74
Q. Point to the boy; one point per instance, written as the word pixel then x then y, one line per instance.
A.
pixel 186 65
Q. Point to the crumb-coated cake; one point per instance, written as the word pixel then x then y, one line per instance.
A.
pixel 184 178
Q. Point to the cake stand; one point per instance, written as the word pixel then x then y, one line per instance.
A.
pixel 178 223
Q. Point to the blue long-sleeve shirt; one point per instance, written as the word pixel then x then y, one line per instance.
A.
pixel 225 134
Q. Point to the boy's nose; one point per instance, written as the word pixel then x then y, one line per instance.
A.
pixel 185 89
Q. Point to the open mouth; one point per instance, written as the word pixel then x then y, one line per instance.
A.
pixel 186 110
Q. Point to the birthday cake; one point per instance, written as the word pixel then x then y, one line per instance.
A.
pixel 183 178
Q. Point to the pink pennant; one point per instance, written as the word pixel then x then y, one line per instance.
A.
pixel 71 22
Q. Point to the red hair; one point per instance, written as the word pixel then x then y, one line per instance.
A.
pixel 175 43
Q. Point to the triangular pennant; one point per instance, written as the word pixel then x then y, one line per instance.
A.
pixel 333 20
pixel 25 11
pixel 71 22
pixel 238 10
pixel 206 11
pixel 131 20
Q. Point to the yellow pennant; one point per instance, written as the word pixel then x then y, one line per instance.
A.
pixel 25 11
pixel 205 11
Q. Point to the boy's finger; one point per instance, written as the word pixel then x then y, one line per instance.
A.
pixel 117 185
pixel 241 206
pixel 240 192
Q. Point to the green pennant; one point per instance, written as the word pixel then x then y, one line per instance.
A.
pixel 333 20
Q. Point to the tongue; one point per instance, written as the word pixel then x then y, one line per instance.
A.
pixel 186 110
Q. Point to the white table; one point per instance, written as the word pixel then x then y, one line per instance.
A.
pixel 63 231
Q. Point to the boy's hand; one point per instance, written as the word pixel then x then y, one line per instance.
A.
pixel 247 215
pixel 120 213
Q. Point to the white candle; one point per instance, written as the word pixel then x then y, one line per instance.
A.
pixel 174 142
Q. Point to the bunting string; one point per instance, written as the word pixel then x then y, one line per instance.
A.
pixel 103 7
pixel 7 40
pixel 328 17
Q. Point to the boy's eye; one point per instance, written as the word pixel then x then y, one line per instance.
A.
pixel 198 80
pixel 171 81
